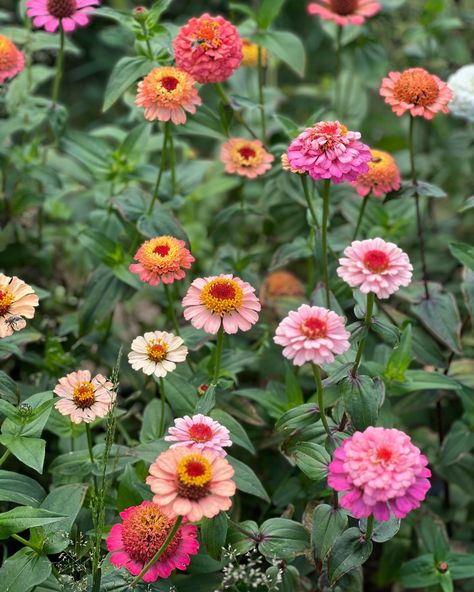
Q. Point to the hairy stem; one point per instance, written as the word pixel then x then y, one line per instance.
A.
pixel 320 395
pixel 370 527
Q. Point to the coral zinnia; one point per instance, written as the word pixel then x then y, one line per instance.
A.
pixel 209 48
pixel 250 51
pixel 84 399
pixel 344 12
pixel 417 91
pixel 167 93
pixel 279 284
pixel 462 85
pixel 312 334
pixel 144 529
pixel 191 482
pixel 17 303
pixel 380 470
pixel 383 175
pixel 12 59
pixel 224 299
pixel 162 258
pixel 329 151
pixel 247 158
pixel 157 352
pixel 67 14
pixel 201 431
pixel 375 266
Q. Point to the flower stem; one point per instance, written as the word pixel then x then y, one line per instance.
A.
pixel 59 68
pixel 161 169
pixel 163 401
pixel 4 457
pixel 309 201
pixel 91 453
pixel 367 321
pixel 370 527
pixel 23 541
pixel 363 205
pixel 172 158
pixel 319 392
pixel 261 99
pixel 324 240
pixel 147 41
pixel 227 102
pixel 220 342
pixel 338 67
pixel 171 309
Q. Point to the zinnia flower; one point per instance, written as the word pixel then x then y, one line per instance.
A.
pixel 462 85
pixel 162 258
pixel 67 14
pixel 344 12
pixel 250 52
pixel 225 299
pixel 144 529
pixel 209 48
pixel 380 470
pixel 312 334
pixel 84 399
pixel 201 431
pixel 279 284
pixel 247 158
pixel 157 352
pixel 329 151
pixel 375 266
pixel 17 303
pixel 167 93
pixel 383 175
pixel 417 91
pixel 191 482
pixel 12 60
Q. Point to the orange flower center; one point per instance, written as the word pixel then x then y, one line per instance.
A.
pixel 222 296
pixel 314 328
pixel 156 350
pixel 62 8
pixel 162 250
pixel 246 152
pixel 207 35
pixel 6 300
pixel 384 454
pixel 8 54
pixel 200 432
pixel 416 86
pixel 169 82
pixel 376 261
pixel 83 395
pixel 344 7
pixel 194 476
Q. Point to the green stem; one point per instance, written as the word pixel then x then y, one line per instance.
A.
pixel 227 102
pixel 171 309
pixel 261 99
pixel 309 201
pixel 172 158
pixel 59 68
pixel 220 342
pixel 163 401
pixel 367 322
pixel 147 41
pixel 370 527
pixel 91 453
pixel 319 392
pixel 324 239
pixel 4 457
pixel 338 67
pixel 23 541
pixel 361 215
pixel 161 169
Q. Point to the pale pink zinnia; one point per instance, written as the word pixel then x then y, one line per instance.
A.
pixel 82 398
pixel 381 471
pixel 143 530
pixel 224 299
pixel 17 303
pixel 312 334
pixel 345 12
pixel 247 158
pixel 12 60
pixel 328 150
pixel 67 14
pixel 201 431
pixel 373 265
pixel 188 481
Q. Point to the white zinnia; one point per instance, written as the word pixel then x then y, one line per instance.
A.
pixel 157 353
pixel 462 85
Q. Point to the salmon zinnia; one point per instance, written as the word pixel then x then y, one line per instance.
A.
pixel 12 60
pixel 383 175
pixel 67 14
pixel 247 158
pixel 17 303
pixel 345 12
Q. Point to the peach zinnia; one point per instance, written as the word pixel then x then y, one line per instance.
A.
pixel 167 93
pixel 223 299
pixel 162 258
pixel 383 175
pixel 12 60
pixel 417 91
pixel 344 12
pixel 65 14
pixel 191 482
pixel 17 303
pixel 157 352
pixel 247 158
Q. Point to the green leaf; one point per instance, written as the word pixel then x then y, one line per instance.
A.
pixel 328 525
pixel 297 418
pixel 459 441
pixel 181 394
pixel 429 190
pixel 313 459
pixel 237 433
pixel 401 356
pixel 349 551
pixel 461 565
pixel 242 537
pixel 293 389
pixel 283 538
pixel 419 572
pixel 269 10
pixel 10 411
pixel 362 398
pixel 246 480
pixel 25 517
pixel 150 427
pixel 103 291
pixel 29 451
pixel 420 380
pixel 207 401
pixel 8 389
pixel 286 46
pixel 463 253
pixel 214 534
pixel 126 71
pixel 383 531
pixel 20 489
pixel 24 570
pixel 297 249
pixel 161 222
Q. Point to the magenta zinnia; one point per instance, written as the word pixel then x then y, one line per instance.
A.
pixel 67 14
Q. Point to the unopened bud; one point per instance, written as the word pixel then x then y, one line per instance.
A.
pixel 140 14
pixel 443 567
pixel 202 388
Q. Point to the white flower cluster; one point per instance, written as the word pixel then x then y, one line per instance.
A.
pixel 462 85
pixel 249 574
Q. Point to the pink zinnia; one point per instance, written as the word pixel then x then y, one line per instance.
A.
pixel 375 266
pixel 201 431
pixel 144 529
pixel 67 14
pixel 380 470
pixel 312 334
pixel 191 482
pixel 12 60
pixel 344 12
pixel 383 176
pixel 247 158
pixel 17 303
pixel 417 91
pixel 209 48
pixel 329 151
pixel 225 299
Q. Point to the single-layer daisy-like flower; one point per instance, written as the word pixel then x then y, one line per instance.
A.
pixel 201 431
pixel 462 85
pixel 250 52
pixel 82 398
pixel 188 481
pixel 373 265
pixel 209 48
pixel 157 352
pixel 167 93
pixel 380 470
pixel 225 299
pixel 286 166
pixel 12 60
pixel 329 151
pixel 312 334
pixel 68 14
pixel 163 258
pixel 279 284
pixel 383 175
pixel 143 530
pixel 417 91
pixel 247 158
pixel 344 12
pixel 17 303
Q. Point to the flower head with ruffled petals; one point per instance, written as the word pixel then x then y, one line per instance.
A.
pixel 247 158
pixel 12 60
pixel 201 432
pixel 17 303
pixel 67 14
pixel 383 175
pixel 344 12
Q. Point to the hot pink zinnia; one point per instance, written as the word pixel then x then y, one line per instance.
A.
pixel 381 470
pixel 144 529
pixel 67 14
pixel 201 431
pixel 12 60
pixel 312 334
pixel 225 299
pixel 209 48
pixel 329 151
pixel 375 266
pixel 344 12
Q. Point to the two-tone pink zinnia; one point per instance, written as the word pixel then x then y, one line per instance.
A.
pixel 200 431
pixel 65 14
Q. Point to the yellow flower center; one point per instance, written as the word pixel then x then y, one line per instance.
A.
pixel 194 470
pixel 222 296
pixel 157 350
pixel 6 300
pixel 247 154
pixel 83 395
